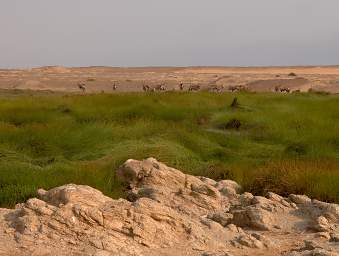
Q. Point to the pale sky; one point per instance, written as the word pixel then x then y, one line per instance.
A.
pixel 168 33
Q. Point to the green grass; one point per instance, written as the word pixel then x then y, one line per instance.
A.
pixel 286 143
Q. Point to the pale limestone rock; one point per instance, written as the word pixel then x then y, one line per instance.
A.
pixel 208 181
pixel 300 199
pixel 334 237
pixel 216 254
pixel 245 199
pixel 274 197
pixel 249 241
pixel 228 187
pixel 222 218
pixel 283 201
pixel 234 228
pixel 321 224
pixel 324 235
pixel 254 217
pixel 315 252
pixel 167 213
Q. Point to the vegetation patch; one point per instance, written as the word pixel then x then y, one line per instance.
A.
pixel 269 142
pixel 296 149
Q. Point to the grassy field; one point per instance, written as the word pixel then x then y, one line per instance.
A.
pixel 268 142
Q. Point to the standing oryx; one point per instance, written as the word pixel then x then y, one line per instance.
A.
pixel 181 86
pixel 146 87
pixel 114 86
pixel 215 88
pixel 282 89
pixel 194 87
pixel 82 86
pixel 160 87
pixel 237 88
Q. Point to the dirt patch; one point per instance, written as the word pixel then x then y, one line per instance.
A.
pixel 269 85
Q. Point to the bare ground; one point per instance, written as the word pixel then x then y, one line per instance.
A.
pixel 103 79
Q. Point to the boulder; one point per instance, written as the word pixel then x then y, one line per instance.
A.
pixel 254 217
pixel 249 241
pixel 300 199
pixel 228 187
pixel 322 224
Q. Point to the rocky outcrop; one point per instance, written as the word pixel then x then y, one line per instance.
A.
pixel 168 213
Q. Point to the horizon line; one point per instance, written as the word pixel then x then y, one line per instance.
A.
pixel 170 66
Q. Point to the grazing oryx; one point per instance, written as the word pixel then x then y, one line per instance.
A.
pixel 285 89
pixel 215 88
pixel 194 87
pixel 160 87
pixel 114 87
pixel 181 86
pixel 82 86
pixel 282 89
pixel 146 88
pixel 237 88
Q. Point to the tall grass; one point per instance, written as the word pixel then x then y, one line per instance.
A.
pixel 285 143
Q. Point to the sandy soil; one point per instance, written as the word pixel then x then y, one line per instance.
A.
pixel 103 79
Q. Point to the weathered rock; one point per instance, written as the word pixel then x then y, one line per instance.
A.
pixel 283 201
pixel 324 235
pixel 322 252
pixel 222 218
pixel 167 213
pixel 334 237
pixel 310 245
pixel 254 217
pixel 315 252
pixel 300 199
pixel 249 241
pixel 228 187
pixel 208 181
pixel 322 224
pixel 216 254
pixel 274 197
pixel 332 212
pixel 246 199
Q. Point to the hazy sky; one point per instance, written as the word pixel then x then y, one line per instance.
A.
pixel 168 32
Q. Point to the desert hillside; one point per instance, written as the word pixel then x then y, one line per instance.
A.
pixel 107 79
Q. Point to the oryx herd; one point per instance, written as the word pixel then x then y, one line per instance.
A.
pixel 190 87
pixel 159 87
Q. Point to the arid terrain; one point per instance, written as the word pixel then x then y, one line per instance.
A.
pixel 169 213
pixel 169 128
pixel 253 173
pixel 107 79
